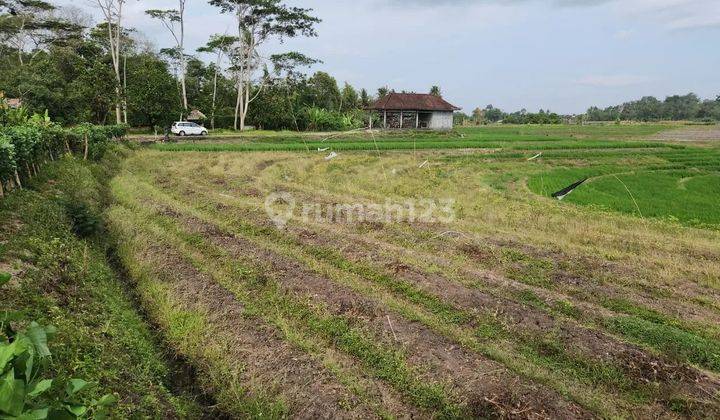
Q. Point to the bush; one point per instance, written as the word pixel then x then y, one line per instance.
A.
pixel 318 119
pixel 24 391
pixel 7 160
pixel 23 148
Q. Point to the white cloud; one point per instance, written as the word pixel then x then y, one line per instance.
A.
pixel 611 81
pixel 673 14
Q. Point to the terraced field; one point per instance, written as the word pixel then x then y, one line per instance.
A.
pixel 518 306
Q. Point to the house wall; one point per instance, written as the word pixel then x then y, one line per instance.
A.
pixel 441 121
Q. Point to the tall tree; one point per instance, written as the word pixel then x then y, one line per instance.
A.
pixel 174 22
pixel 288 79
pixel 112 11
pixel 151 91
pixel 257 22
pixel 221 46
pixel 435 91
pixel 24 22
pixel 364 98
pixel 349 98
pixel 323 92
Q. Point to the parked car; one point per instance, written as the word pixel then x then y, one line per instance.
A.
pixel 184 128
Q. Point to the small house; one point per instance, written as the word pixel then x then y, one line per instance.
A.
pixel 14 102
pixel 10 102
pixel 413 111
pixel 196 116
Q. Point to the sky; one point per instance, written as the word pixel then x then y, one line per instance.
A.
pixel 561 55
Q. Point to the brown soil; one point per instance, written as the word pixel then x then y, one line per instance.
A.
pixel 481 383
pixel 640 365
pixel 443 359
pixel 267 361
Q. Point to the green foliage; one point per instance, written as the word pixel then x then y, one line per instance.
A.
pixel 4 278
pixel 25 392
pixel 648 108
pixel 680 344
pixel 7 157
pixel 69 284
pixel 318 119
pixel 26 140
pixel 25 147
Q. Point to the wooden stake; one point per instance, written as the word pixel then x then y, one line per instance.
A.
pixel 86 147
pixel 391 327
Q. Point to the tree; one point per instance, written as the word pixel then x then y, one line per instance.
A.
pixel 493 114
pixel 383 92
pixel 323 92
pixel 169 19
pixel 257 22
pixel 112 10
pixel 28 21
pixel 478 115
pixel 151 92
pixel 290 81
pixel 349 98
pixel 220 45
pixel 364 98
pixel 681 107
pixel 435 91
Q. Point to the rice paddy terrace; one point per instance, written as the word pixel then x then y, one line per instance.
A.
pixel 605 304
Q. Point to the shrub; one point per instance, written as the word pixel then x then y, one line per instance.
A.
pixel 24 391
pixel 318 119
pixel 26 140
pixel 23 148
pixel 7 161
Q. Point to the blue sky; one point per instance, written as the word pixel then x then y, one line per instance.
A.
pixel 562 55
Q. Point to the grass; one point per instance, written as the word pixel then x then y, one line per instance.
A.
pixel 583 305
pixel 66 282
pixel 648 179
pixel 486 330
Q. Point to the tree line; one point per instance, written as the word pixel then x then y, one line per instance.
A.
pixel 491 114
pixel 56 59
pixel 649 108
pixel 674 108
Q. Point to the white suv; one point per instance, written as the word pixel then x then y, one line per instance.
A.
pixel 184 128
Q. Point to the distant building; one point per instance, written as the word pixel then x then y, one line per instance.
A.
pixel 196 116
pixel 13 102
pixel 413 111
pixel 9 102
